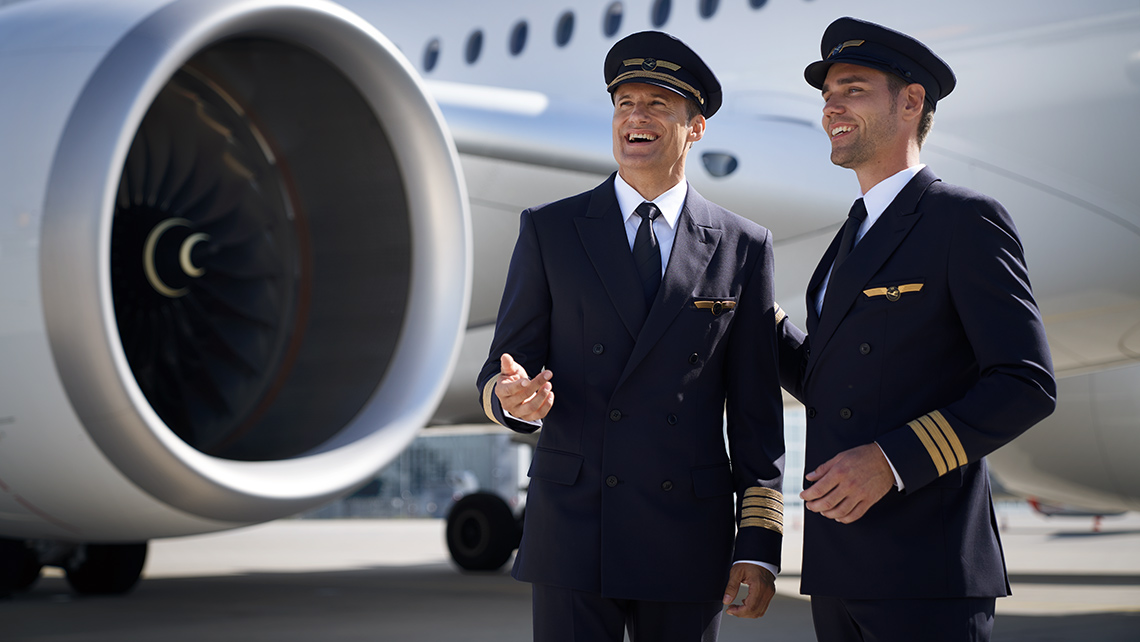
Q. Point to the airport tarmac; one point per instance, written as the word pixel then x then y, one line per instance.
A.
pixel 350 580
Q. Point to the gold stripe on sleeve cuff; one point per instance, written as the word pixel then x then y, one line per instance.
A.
pixel 931 449
pixel 780 314
pixel 941 442
pixel 766 513
pixel 951 437
pixel 763 507
pixel 489 390
pixel 760 491
pixel 762 523
pixel 763 502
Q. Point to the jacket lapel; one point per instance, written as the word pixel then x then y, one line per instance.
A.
pixel 880 242
pixel 602 233
pixel 695 243
pixel 817 280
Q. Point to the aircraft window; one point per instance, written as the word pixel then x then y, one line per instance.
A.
pixel 660 15
pixel 709 7
pixel 756 4
pixel 518 37
pixel 612 22
pixel 474 46
pixel 431 55
pixel 565 29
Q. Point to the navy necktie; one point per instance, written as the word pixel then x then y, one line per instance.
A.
pixel 855 218
pixel 647 253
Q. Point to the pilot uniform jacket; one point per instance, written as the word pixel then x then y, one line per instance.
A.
pixel 631 491
pixel 930 344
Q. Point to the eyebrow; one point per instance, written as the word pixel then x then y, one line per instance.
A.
pixel 847 80
pixel 655 93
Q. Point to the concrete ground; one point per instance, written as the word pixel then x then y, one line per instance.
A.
pixel 349 580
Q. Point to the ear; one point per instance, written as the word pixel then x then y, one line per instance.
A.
pixel 696 128
pixel 913 99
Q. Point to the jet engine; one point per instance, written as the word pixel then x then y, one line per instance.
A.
pixel 235 259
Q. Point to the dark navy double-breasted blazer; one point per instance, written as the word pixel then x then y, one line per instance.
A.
pixel 930 344
pixel 632 486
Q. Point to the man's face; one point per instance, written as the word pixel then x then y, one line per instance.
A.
pixel 652 130
pixel 859 115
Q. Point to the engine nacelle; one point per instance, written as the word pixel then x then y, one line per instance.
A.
pixel 234 261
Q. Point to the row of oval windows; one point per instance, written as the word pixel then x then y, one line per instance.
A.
pixel 564 29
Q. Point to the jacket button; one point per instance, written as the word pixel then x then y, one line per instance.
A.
pixel 611 481
pixel 694 358
pixel 845 413
pixel 615 415
pixel 671 420
pixel 865 348
pixel 811 413
pixel 599 348
pixel 666 485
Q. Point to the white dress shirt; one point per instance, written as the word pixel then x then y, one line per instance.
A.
pixel 664 226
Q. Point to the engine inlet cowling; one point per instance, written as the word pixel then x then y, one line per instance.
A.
pixel 256 255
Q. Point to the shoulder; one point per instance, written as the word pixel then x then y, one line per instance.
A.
pixel 967 212
pixel 732 223
pixel 950 195
pixel 573 205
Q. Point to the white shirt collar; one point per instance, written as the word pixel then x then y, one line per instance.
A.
pixel 669 203
pixel 879 197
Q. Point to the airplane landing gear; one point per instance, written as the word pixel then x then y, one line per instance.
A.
pixel 19 566
pixel 92 569
pixel 105 569
pixel 482 532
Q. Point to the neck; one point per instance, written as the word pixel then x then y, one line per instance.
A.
pixel 650 185
pixel 874 172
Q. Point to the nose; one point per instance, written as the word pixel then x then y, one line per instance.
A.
pixel 638 113
pixel 832 106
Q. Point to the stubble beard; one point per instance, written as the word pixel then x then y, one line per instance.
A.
pixel 875 135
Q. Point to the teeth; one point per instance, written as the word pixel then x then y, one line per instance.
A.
pixel 633 138
pixel 841 129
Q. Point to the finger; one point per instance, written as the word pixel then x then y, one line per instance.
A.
pixel 536 406
pixel 829 500
pixel 733 587
pixel 508 365
pixel 820 488
pixel 858 511
pixel 521 389
pixel 841 510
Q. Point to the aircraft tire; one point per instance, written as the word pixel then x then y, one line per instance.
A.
pixel 107 569
pixel 481 532
pixel 19 566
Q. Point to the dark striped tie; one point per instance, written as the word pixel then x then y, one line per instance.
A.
pixel 854 219
pixel 647 253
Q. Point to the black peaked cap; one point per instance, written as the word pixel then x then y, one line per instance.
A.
pixel 867 44
pixel 660 59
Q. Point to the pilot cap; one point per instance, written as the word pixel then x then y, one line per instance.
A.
pixel 659 59
pixel 867 44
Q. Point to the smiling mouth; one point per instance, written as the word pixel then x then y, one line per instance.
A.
pixel 641 138
pixel 839 130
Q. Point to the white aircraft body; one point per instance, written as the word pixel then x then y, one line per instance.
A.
pixel 248 248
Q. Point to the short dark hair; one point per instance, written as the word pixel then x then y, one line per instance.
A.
pixel 896 84
pixel 692 109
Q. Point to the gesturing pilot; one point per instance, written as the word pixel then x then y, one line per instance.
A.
pixel 646 309
pixel 925 351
